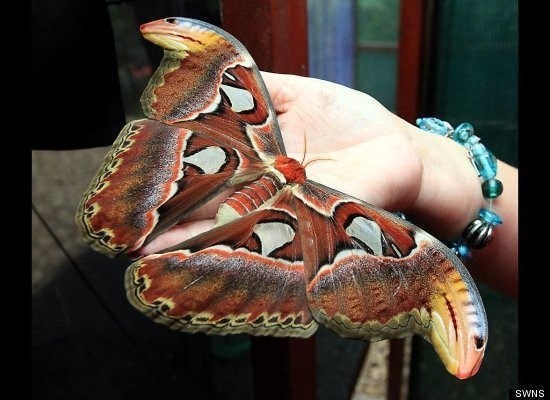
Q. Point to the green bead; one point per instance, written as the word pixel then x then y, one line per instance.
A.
pixel 491 188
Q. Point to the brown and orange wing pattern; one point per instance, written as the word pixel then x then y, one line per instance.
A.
pixel 212 127
pixel 372 275
pixel 286 253
pixel 245 276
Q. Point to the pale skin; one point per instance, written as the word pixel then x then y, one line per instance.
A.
pixel 364 150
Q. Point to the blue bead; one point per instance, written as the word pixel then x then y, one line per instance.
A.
pixel 434 125
pixel 400 214
pixel 463 132
pixel 492 188
pixel 489 216
pixel 484 161
pixel 461 249
pixel 472 141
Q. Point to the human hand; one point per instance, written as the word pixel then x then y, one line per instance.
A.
pixel 354 144
pixel 372 154
pixel 366 151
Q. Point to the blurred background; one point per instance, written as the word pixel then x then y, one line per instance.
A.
pixel 88 342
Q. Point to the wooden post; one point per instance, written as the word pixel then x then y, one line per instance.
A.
pixel 275 34
pixel 273 31
pixel 411 38
pixel 411 51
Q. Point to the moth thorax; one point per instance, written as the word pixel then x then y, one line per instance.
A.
pixel 248 198
pixel 293 171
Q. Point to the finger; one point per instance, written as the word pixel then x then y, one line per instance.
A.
pixel 176 235
pixel 384 172
pixel 196 222
pixel 209 209
pixel 283 90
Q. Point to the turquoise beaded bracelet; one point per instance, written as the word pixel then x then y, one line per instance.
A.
pixel 479 232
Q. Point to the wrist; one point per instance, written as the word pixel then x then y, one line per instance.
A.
pixel 496 264
pixel 479 232
pixel 450 195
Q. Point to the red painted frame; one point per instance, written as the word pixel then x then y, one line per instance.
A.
pixel 275 34
pixel 273 31
pixel 413 20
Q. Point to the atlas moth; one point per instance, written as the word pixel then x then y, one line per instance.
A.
pixel 286 253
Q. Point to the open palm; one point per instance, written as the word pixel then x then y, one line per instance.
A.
pixel 350 142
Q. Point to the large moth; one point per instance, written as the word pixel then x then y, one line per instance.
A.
pixel 286 253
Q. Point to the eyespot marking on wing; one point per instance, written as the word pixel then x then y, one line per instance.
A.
pixel 366 231
pixel 273 235
pixel 240 99
pixel 210 160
